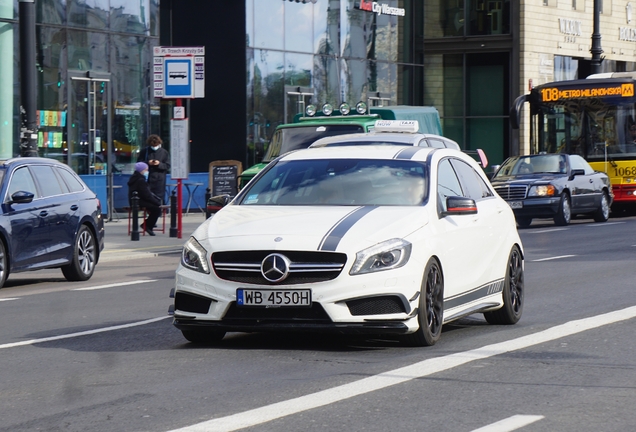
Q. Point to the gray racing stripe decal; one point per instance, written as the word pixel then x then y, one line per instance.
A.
pixel 476 294
pixel 332 238
pixel 407 153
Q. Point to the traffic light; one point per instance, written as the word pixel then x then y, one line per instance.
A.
pixel 59 79
pixel 101 88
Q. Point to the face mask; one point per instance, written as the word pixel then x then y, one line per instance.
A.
pixel 146 175
pixel 155 148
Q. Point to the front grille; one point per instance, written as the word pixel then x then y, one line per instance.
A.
pixel 512 192
pixel 306 266
pixel 187 302
pixel 376 306
pixel 282 315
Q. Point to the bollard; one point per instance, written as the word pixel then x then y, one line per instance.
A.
pixel 173 214
pixel 207 198
pixel 134 208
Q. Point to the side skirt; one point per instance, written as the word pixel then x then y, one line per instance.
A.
pixel 457 305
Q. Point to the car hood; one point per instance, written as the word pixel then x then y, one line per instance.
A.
pixel 334 228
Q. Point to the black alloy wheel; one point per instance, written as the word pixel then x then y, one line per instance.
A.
pixel 513 291
pixel 431 307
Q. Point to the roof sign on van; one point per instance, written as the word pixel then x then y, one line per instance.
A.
pixel 403 126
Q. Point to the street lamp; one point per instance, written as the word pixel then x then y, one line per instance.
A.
pixel 596 49
pixel 28 79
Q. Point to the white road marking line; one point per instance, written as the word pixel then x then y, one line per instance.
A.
pixel 553 258
pixel 510 424
pixel 547 230
pixel 84 333
pixel 398 376
pixel 8 299
pixel 604 224
pixel 115 285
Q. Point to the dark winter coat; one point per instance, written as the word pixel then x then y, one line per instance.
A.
pixel 157 176
pixel 137 183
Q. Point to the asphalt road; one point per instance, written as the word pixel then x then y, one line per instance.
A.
pixel 103 356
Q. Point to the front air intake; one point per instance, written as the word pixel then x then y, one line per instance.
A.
pixel 376 306
pixel 186 302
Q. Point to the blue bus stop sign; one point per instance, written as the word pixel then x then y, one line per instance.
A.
pixel 178 77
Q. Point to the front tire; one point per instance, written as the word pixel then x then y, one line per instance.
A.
pixel 431 308
pixel 203 336
pixel 564 214
pixel 524 222
pixel 82 265
pixel 602 213
pixel 513 291
pixel 4 264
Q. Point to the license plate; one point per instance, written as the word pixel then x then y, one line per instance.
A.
pixel 516 204
pixel 273 298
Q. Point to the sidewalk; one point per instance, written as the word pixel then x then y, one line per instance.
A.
pixel 118 245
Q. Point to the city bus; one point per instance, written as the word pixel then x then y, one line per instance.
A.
pixel 593 117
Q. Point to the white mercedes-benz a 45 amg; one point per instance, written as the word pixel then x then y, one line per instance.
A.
pixel 362 239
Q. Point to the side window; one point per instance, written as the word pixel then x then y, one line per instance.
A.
pixel 47 180
pixel 22 180
pixel 423 143
pixel 71 181
pixel 472 183
pixel 447 183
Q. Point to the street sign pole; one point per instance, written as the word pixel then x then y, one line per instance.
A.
pixel 179 73
pixel 179 199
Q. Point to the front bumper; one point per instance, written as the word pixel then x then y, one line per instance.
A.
pixel 537 207
pixel 346 305
pixel 388 327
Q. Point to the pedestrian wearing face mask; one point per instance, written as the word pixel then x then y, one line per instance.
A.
pixel 147 199
pixel 158 160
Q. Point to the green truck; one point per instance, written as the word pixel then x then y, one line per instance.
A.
pixel 305 130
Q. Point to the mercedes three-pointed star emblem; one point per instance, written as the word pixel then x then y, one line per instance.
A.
pixel 275 267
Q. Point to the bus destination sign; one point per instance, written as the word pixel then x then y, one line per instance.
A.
pixel 554 94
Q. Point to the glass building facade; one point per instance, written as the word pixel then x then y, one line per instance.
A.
pixel 328 51
pixel 469 63
pixel 93 63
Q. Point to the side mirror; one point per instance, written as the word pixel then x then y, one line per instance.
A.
pixel 216 203
pixel 22 197
pixel 492 173
pixel 576 172
pixel 460 206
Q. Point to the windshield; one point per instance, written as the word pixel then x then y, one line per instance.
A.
pixel 341 182
pixel 295 138
pixel 593 130
pixel 520 165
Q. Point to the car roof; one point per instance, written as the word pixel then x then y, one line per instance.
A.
pixel 371 152
pixel 29 160
pixel 402 138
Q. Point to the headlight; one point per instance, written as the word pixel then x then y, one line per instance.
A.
pixel 387 255
pixel 542 191
pixel 194 256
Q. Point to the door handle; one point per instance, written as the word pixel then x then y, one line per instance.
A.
pixel 74 207
pixel 44 213
pixel 591 181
